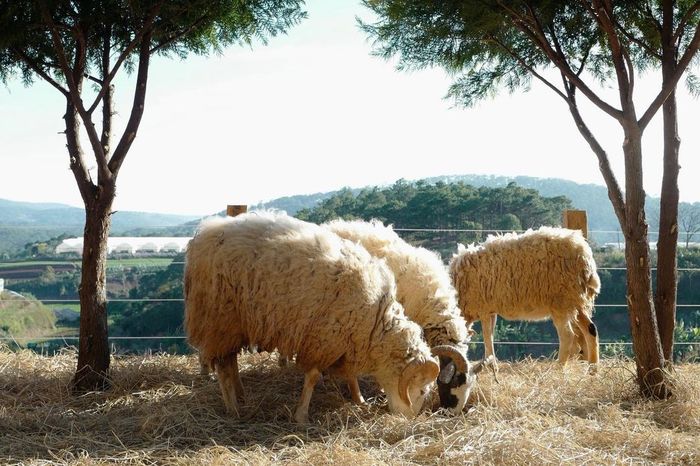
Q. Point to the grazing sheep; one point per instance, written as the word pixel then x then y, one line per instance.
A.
pixel 549 272
pixel 424 289
pixel 268 280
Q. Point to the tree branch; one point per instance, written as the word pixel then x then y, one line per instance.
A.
pixel 529 68
pixel 584 59
pixel 650 15
pixel 680 30
pixel 137 108
pixel 60 52
pixel 621 63
pixel 614 191
pixel 172 38
pixel 73 77
pixel 630 71
pixel 669 86
pixel 107 104
pixel 637 41
pixel 138 37
pixel 37 69
pixel 560 62
pixel 75 152
pixel 93 79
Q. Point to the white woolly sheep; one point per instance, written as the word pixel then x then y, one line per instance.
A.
pixel 549 272
pixel 424 289
pixel 268 280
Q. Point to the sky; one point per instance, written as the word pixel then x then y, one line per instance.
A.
pixel 315 111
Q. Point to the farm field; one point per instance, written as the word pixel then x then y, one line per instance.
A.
pixel 160 411
pixel 29 269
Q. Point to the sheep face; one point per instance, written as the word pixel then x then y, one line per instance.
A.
pixel 407 395
pixel 456 377
pixel 455 386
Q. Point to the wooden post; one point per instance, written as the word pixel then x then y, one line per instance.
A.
pixel 576 220
pixel 234 210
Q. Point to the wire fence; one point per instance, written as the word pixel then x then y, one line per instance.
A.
pixel 159 264
pixel 183 337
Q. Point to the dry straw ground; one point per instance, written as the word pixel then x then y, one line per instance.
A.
pixel 161 412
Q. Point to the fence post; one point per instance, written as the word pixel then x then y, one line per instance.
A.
pixel 576 220
pixel 236 209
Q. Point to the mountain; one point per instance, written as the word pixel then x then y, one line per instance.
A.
pixel 26 222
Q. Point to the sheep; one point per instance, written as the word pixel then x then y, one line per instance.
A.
pixel 540 274
pixel 429 299
pixel 268 280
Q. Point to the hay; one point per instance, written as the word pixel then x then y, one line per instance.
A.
pixel 160 411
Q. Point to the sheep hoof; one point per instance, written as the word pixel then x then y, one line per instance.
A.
pixel 593 369
pixel 232 411
pixel 301 416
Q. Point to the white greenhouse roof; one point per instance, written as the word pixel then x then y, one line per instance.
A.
pixel 129 245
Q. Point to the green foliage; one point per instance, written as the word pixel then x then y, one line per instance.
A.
pixel 51 285
pixel 24 316
pixel 140 318
pixel 423 205
pixel 489 46
pixel 173 28
pixel 441 205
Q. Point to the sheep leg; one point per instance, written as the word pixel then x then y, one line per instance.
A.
pixel 488 327
pixel 355 392
pixel 204 366
pixel 230 382
pixel 301 415
pixel 590 335
pixel 566 337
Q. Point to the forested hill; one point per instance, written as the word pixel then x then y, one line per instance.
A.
pixel 590 197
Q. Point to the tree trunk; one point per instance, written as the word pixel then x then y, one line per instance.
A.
pixel 667 245
pixel 645 334
pixel 93 355
pixel 667 271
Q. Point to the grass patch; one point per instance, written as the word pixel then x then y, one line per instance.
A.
pixel 75 307
pixel 160 411
pixel 12 265
pixel 24 317
pixel 148 262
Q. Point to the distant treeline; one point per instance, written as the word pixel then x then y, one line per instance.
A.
pixel 440 205
pixel 444 206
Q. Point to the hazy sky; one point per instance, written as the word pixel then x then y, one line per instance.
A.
pixel 315 111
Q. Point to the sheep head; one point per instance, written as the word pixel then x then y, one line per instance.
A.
pixel 457 377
